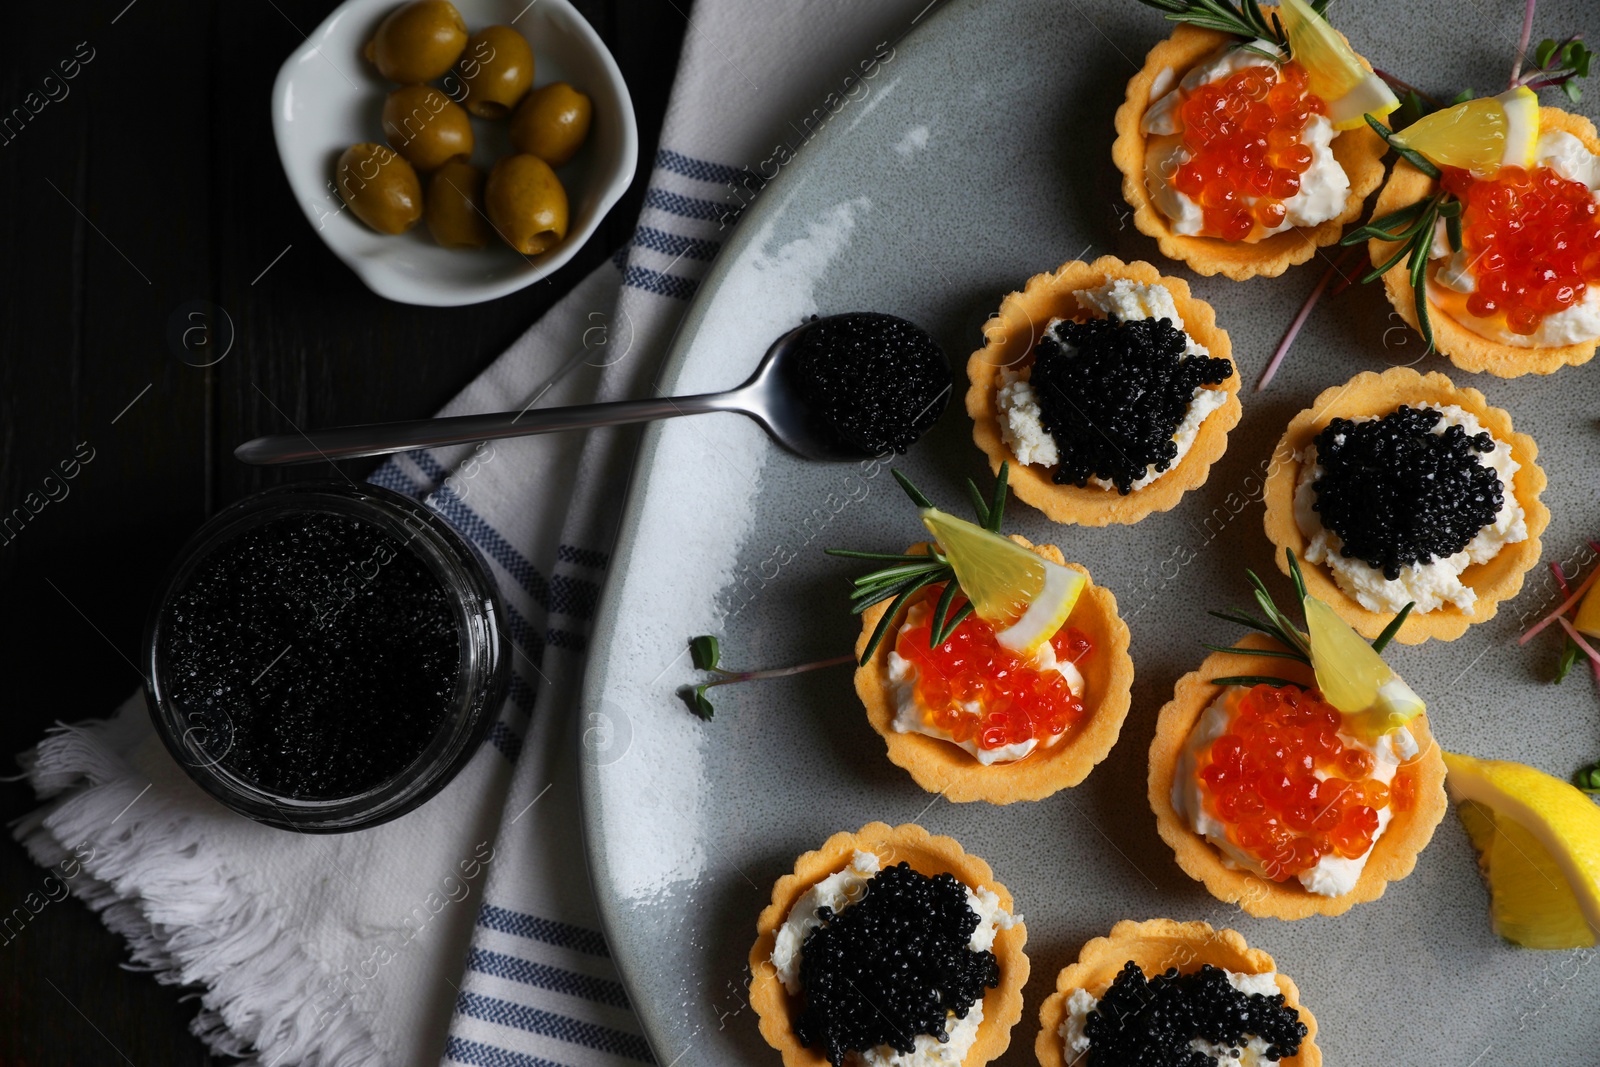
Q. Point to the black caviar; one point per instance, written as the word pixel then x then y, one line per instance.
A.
pixel 877 382
pixel 892 965
pixel 314 656
pixel 1112 393
pixel 1397 493
pixel 1144 1022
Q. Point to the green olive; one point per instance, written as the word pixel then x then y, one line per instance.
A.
pixel 380 187
pixel 426 126
pixel 418 41
pixel 526 204
pixel 496 69
pixel 455 205
pixel 551 123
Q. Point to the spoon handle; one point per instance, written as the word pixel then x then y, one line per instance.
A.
pixel 382 438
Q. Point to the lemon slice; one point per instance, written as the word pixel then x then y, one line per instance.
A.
pixel 1587 621
pixel 1480 135
pixel 1025 598
pixel 1354 678
pixel 1538 842
pixel 1332 68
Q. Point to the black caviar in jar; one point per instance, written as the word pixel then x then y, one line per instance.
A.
pixel 1397 493
pixel 1142 1022
pixel 891 966
pixel 876 382
pixel 316 654
pixel 1112 394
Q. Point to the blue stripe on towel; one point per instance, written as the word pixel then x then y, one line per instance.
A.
pixel 653 281
pixel 475 1054
pixel 505 741
pixel 488 539
pixel 699 169
pixel 390 476
pixel 573 596
pixel 583 557
pixel 550 1024
pixel 551 932
pixel 587 987
pixel 686 206
pixel 675 244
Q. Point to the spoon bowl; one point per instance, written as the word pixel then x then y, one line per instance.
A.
pixel 770 396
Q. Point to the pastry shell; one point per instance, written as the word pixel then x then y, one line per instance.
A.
pixel 1367 393
pixel 909 843
pixel 1392 857
pixel 941 767
pixel 1156 945
pixel 1360 152
pixel 1009 337
pixel 1468 350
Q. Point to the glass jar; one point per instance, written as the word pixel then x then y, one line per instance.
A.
pixel 202 735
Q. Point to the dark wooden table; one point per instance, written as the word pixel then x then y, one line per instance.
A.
pixel 144 183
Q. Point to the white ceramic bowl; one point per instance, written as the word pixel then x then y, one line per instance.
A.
pixel 328 97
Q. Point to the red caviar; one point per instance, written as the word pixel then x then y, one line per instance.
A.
pixel 1258 779
pixel 1016 701
pixel 1244 153
pixel 1533 239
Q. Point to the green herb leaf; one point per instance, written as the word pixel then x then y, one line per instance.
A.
pixel 1588 779
pixel 700 705
pixel 1542 54
pixel 950 626
pixel 1569 656
pixel 1413 158
pixel 941 614
pixel 1270 653
pixel 911 491
pixel 1295 575
pixel 997 505
pixel 1381 642
pixel 889 616
pixel 1255 679
pixel 1463 96
pixel 1574 93
pixel 979 505
pixel 705 652
pixel 892 557
pixel 1245 19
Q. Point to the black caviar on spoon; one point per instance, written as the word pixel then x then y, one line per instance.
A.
pixel 844 387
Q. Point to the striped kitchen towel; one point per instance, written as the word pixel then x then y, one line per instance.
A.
pixel 465 931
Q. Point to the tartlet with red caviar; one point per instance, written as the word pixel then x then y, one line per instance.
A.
pixel 1155 947
pixel 1459 555
pixel 1507 301
pixel 1295 773
pixel 796 941
pixel 1105 457
pixel 1244 152
pixel 1004 676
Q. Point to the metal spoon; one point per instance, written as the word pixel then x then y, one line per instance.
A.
pixel 767 396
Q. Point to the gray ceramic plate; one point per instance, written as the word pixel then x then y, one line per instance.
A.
pixel 984 159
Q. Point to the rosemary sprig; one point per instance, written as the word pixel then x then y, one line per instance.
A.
pixel 1411 230
pixel 1244 19
pixel 908 574
pixel 1278 626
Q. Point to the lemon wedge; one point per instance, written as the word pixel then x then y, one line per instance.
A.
pixel 1480 135
pixel 1024 597
pixel 1587 621
pixel 1332 68
pixel 1353 676
pixel 1538 842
